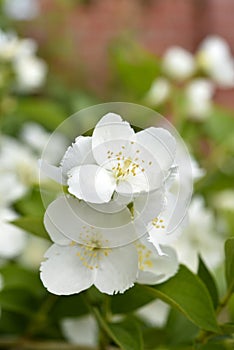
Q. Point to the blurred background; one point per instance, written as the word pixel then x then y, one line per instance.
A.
pixel 60 56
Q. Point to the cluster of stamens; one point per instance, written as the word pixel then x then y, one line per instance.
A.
pixel 158 223
pixel 127 166
pixel 92 250
pixel 144 256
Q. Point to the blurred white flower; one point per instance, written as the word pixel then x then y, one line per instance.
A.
pixel 21 9
pixel 154 313
pixel 178 63
pixel 12 239
pixel 115 160
pixel 224 200
pixel 199 93
pixel 81 331
pixel 159 92
pixel 12 48
pixel 30 72
pixel 19 162
pixel 200 237
pixel 37 138
pixel 34 251
pixel 214 58
pixel 10 188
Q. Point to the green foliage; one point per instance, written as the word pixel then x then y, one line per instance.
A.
pixel 32 224
pixel 187 293
pixel 135 69
pixel 229 252
pixel 208 280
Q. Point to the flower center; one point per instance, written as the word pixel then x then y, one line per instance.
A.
pixel 125 168
pixel 91 251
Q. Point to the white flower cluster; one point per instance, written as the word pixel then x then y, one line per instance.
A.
pixel 211 66
pixel 30 71
pixel 18 172
pixel 112 229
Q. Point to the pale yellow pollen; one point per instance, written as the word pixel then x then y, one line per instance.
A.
pixel 91 251
pixel 144 257
pixel 156 223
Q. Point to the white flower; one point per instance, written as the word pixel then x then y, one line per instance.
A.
pixel 12 48
pixel 178 63
pixel 21 9
pixel 200 237
pixel 37 138
pixel 199 93
pixel 159 92
pixel 164 229
pixel 224 200
pixel 12 239
pixel 19 162
pixel 11 188
pixel 115 160
pixel 82 330
pixel 30 73
pixel 95 247
pixel 215 58
pixel 153 267
pixel 88 249
pixel 33 252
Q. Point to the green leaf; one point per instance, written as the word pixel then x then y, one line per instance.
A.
pixel 69 306
pixel 33 225
pixel 187 293
pixel 229 263
pixel 135 68
pixel 179 330
pixel 131 300
pixel 15 276
pixel 126 334
pixel 12 323
pixel 43 111
pixel 209 281
pixel 18 300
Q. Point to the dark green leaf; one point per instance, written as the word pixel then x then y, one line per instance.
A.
pixel 229 263
pixel 131 300
pixel 69 306
pixel 16 276
pixel 12 323
pixel 33 225
pixel 179 329
pixel 209 282
pixel 126 334
pixel 187 293
pixel 18 300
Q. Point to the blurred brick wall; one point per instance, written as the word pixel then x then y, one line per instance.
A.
pixel 83 34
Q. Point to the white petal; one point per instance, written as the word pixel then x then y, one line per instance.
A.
pixel 118 270
pixel 82 224
pixel 148 206
pixel 80 152
pixel 63 273
pixel 91 183
pixel 56 236
pixel 111 134
pixel 160 143
pixel 12 240
pixel 155 268
pixel 52 171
